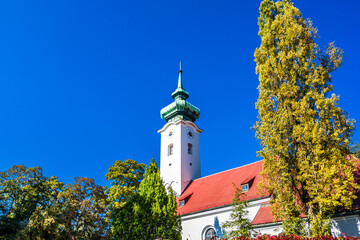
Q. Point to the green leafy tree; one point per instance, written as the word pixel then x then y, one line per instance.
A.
pixel 239 224
pixel 303 132
pixel 150 213
pixel 22 191
pixel 44 221
pixel 83 207
pixel 125 177
pixel 43 224
pixel 79 212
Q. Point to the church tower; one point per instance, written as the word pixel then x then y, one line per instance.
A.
pixel 180 149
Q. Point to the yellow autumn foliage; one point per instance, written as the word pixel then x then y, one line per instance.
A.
pixel 303 132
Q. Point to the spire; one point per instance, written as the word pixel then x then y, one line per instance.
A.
pixel 180 108
pixel 180 91
pixel 180 78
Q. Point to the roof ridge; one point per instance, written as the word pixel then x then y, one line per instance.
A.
pixel 228 170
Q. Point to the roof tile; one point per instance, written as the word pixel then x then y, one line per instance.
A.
pixel 217 190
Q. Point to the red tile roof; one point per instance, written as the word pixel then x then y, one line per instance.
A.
pixel 217 190
pixel 263 216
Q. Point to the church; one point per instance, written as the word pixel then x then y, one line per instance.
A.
pixel 204 202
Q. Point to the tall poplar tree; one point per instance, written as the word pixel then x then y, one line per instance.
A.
pixel 303 132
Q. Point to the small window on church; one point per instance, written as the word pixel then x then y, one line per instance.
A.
pixel 190 148
pixel 244 187
pixel 170 149
pixel 181 203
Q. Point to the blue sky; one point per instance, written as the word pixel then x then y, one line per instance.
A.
pixel 82 82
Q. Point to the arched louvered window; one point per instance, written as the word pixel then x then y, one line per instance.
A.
pixel 210 234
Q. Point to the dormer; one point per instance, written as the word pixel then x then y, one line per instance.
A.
pixel 183 200
pixel 246 184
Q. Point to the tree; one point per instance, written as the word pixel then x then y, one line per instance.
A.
pixel 125 177
pixel 79 212
pixel 150 213
pixel 83 206
pixel 303 132
pixel 22 191
pixel 44 221
pixel 239 224
pixel 33 206
pixel 43 224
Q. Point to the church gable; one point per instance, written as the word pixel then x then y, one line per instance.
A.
pixel 264 215
pixel 217 190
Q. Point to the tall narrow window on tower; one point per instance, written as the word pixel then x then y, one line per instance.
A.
pixel 170 149
pixel 190 148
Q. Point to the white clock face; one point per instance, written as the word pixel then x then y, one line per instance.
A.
pixel 190 133
pixel 171 133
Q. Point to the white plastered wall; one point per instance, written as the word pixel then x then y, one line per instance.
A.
pixel 178 169
pixel 195 225
pixel 347 225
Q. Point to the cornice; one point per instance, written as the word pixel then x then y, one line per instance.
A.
pixel 186 123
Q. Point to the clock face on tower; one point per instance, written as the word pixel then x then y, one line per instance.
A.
pixel 171 133
pixel 190 133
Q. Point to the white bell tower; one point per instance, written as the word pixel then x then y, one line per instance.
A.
pixel 180 148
